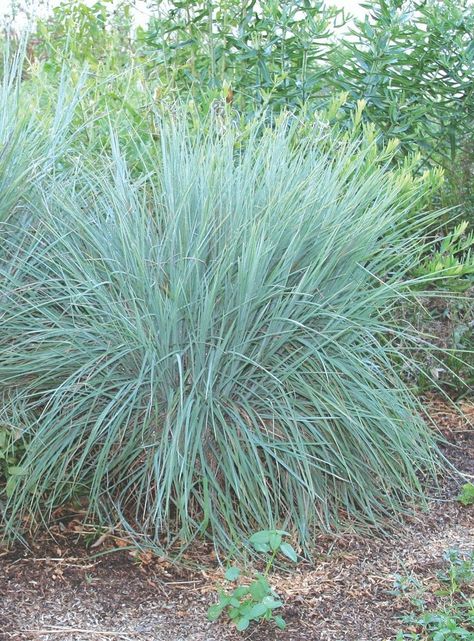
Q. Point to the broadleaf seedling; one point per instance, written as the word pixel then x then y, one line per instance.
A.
pixel 255 600
pixel 466 496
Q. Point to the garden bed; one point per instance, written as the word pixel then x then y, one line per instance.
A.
pixel 58 591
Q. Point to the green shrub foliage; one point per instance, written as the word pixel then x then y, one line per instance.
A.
pixel 410 61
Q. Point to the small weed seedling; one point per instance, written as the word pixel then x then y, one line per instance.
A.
pixel 410 587
pixel 255 601
pixel 466 496
pixel 454 621
pixel 459 573
pixel 449 626
pixel 12 449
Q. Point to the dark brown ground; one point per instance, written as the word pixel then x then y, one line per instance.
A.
pixel 59 592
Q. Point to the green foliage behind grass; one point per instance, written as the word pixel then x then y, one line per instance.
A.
pixel 412 62
pixel 208 350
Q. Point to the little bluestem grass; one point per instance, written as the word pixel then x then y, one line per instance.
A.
pixel 209 351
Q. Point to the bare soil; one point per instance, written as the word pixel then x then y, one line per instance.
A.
pixel 59 591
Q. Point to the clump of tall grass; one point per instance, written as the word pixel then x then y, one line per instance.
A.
pixel 209 351
pixel 32 139
pixel 20 137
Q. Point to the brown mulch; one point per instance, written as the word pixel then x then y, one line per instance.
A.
pixel 60 591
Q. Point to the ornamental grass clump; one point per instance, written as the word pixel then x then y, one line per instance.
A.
pixel 209 351
pixel 33 139
pixel 22 140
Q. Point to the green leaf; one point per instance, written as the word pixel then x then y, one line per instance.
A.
pixel 224 599
pixel 240 591
pixel 466 496
pixel 242 624
pixel 16 470
pixel 274 540
pixel 289 552
pixel 234 613
pixel 260 538
pixel 214 611
pixel 259 589
pixel 232 573
pixel 271 603
pixel 280 622
pixel 258 610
